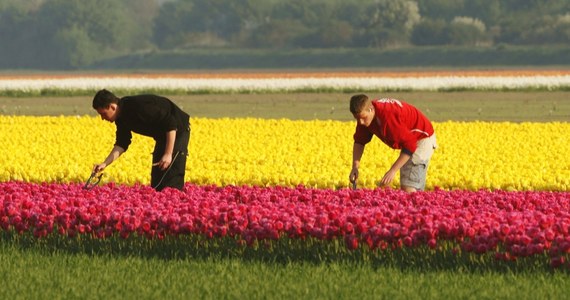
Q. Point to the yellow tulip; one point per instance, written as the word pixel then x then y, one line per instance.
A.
pixel 471 155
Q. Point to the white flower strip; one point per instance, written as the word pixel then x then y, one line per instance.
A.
pixel 289 84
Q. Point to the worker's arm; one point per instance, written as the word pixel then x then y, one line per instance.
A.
pixel 113 155
pixel 166 159
pixel 398 164
pixel 357 151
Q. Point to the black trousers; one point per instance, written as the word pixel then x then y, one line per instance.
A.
pixel 173 176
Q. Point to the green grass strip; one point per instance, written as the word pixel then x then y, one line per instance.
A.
pixel 60 268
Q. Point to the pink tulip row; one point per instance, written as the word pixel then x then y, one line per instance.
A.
pixel 507 224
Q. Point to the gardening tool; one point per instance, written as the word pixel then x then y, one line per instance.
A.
pixel 93 180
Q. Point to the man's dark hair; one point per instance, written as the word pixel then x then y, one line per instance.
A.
pixel 358 103
pixel 103 99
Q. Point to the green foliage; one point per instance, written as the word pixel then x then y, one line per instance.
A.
pixel 69 33
pixel 280 33
pixel 466 32
pixel 172 23
pixel 430 32
pixel 171 269
pixel 191 22
pixel 388 23
pixel 74 47
pixel 538 30
pixel 489 12
pixel 19 34
pixel 441 9
pixel 64 34
pixel 138 29
pixel 101 20
pixel 334 33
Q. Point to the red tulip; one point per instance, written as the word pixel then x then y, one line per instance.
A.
pixel 351 242
pixel 557 262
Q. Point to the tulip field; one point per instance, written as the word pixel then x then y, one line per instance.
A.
pixel 269 199
pixel 550 80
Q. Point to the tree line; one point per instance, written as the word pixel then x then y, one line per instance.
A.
pixel 77 33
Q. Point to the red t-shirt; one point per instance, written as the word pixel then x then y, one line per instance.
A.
pixel 398 124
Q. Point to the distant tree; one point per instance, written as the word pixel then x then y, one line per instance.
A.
pixel 430 32
pixel 19 36
pixel 75 47
pixel 563 28
pixel 352 11
pixel 488 11
pixel 143 14
pixel 523 28
pixel 27 5
pixel 216 16
pixel 193 22
pixel 301 10
pixel 98 25
pixel 102 20
pixel 442 9
pixel 254 14
pixel 548 29
pixel 527 5
pixel 313 24
pixel 467 31
pixel 280 33
pixel 335 33
pixel 387 22
pixel 323 26
pixel 172 24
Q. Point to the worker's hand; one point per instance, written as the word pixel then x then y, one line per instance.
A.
pixel 353 175
pixel 388 178
pixel 99 168
pixel 164 162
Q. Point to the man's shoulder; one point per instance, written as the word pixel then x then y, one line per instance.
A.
pixel 141 97
pixel 386 102
pixel 143 100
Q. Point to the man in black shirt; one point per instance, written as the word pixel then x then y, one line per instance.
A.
pixel 152 116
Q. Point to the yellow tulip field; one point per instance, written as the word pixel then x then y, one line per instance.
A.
pixel 262 152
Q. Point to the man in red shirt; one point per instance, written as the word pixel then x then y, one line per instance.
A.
pixel 400 126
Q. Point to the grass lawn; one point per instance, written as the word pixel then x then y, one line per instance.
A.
pixel 40 272
pixel 32 273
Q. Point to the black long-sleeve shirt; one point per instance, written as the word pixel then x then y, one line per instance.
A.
pixel 149 115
